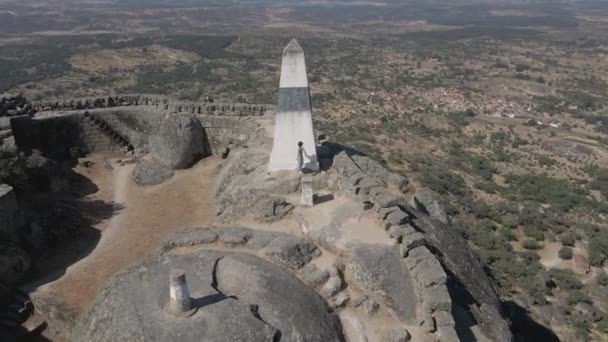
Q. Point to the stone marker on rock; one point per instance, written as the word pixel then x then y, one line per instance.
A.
pixel 307 193
pixel 293 119
pixel 180 303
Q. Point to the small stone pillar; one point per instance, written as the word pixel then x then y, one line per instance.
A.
pixel 307 194
pixel 179 296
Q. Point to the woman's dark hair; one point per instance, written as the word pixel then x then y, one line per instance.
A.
pixel 300 144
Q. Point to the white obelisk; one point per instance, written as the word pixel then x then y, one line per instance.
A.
pixel 293 119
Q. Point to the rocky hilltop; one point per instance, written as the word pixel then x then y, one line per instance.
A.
pixel 371 260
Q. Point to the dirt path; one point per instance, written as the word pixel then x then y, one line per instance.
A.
pixel 148 216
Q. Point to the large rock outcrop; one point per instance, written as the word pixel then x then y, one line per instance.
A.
pixel 243 187
pixel 282 301
pixel 378 271
pixel 464 266
pixel 272 305
pixel 428 201
pixel 149 172
pixel 179 141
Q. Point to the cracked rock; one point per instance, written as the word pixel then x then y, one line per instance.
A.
pixel 314 277
pixel 189 237
pixel 332 286
pixel 235 235
pixel 291 251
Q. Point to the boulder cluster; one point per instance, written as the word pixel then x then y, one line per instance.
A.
pixel 15 105
pixel 179 141
pixel 273 305
pixel 10 107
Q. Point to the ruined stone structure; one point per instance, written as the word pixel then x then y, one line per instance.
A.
pixel 293 120
pixel 124 123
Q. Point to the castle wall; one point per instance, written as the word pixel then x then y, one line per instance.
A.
pixel 55 136
pixel 158 102
pixel 55 131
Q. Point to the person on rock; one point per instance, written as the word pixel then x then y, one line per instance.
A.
pixel 300 157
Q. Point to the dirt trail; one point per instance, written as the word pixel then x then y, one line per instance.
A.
pixel 147 217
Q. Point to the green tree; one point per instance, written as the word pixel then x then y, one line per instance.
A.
pixel 565 253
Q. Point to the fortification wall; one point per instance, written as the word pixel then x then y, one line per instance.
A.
pixel 425 270
pixel 56 136
pixel 117 122
pixel 158 102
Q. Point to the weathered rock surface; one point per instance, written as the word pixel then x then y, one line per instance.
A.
pixel 458 258
pixel 273 303
pixel 291 252
pixel 314 277
pixel 428 201
pixel 179 141
pixel 349 163
pixel 396 336
pixel 235 235
pixel 243 187
pixel 149 172
pixel 377 270
pixel 190 237
pixel 46 174
pixel 271 209
pixel 282 301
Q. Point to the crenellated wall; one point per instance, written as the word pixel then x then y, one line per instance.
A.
pixel 162 103
pixel 120 123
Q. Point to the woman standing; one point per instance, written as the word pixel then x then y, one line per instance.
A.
pixel 301 154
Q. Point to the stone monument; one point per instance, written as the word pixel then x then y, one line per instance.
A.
pixel 307 193
pixel 293 119
pixel 180 303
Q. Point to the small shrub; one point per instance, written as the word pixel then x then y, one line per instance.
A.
pixel 567 239
pixel 602 279
pixel 578 296
pixel 534 232
pixel 565 279
pixel 565 253
pixel 598 248
pixel 530 244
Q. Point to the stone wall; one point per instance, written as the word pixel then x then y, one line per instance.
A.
pixel 427 273
pixel 62 124
pixel 57 136
pixel 224 131
pixel 159 102
pixel 55 133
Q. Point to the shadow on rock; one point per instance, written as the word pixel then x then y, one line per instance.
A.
pixel 328 150
pixel 210 300
pixel 61 231
pixel 524 327
pixel 323 198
